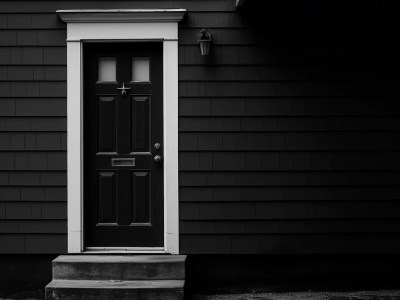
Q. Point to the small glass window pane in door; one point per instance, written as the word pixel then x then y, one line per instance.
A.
pixel 140 69
pixel 107 69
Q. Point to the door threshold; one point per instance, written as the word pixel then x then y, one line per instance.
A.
pixel 123 250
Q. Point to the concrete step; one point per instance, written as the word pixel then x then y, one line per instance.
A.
pixel 119 267
pixel 110 289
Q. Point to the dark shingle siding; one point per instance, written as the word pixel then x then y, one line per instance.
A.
pixel 32 130
pixel 288 141
pixel 37 227
pixel 289 243
pixel 33 73
pixel 40 7
pixel 34 56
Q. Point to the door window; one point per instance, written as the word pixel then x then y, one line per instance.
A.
pixel 107 69
pixel 140 69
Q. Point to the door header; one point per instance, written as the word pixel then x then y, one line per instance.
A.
pixel 121 15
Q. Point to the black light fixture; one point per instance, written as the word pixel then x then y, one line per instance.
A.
pixel 204 40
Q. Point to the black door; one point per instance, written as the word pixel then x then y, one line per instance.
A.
pixel 123 145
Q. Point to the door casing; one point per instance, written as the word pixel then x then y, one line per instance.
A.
pixel 122 25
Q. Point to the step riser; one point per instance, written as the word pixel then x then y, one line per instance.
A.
pixel 122 277
pixel 112 271
pixel 92 294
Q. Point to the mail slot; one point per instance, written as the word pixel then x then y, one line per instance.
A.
pixel 122 162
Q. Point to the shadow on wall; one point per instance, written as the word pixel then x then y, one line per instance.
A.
pixel 300 125
pixel 345 48
pixel 208 274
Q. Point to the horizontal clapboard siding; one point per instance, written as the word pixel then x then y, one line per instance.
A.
pixel 289 131
pixel 288 135
pixel 291 243
pixel 33 158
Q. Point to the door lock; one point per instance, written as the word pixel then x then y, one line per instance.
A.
pixel 157 146
pixel 157 159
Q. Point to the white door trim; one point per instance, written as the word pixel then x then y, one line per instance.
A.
pixel 122 25
pixel 126 250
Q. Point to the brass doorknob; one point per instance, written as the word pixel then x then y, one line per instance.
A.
pixel 157 159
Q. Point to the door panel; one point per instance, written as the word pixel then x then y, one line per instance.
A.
pixel 123 186
pixel 106 125
pixel 141 195
pixel 107 200
pixel 140 124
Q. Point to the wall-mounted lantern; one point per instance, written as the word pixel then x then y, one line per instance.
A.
pixel 204 40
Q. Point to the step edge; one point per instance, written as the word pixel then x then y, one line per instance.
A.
pixel 124 258
pixel 130 279
pixel 118 262
pixel 106 284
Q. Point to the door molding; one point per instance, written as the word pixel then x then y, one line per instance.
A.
pixel 122 25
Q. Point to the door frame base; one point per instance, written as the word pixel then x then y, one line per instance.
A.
pixel 127 250
pixel 109 26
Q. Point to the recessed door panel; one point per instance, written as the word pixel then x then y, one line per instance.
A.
pixel 106 126
pixel 141 194
pixel 140 124
pixel 106 198
pixel 123 119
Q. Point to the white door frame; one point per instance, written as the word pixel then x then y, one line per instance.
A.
pixel 122 25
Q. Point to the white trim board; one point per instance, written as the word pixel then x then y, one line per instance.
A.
pixel 121 15
pixel 133 25
pixel 121 250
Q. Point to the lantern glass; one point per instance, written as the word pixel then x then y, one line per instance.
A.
pixel 205 48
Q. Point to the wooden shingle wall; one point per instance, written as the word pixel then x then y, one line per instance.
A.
pixel 288 132
pixel 33 136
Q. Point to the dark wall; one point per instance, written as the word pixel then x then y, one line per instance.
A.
pixel 289 130
pixel 33 136
pixel 252 273
pixel 24 276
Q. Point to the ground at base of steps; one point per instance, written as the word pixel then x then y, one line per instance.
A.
pixel 359 295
